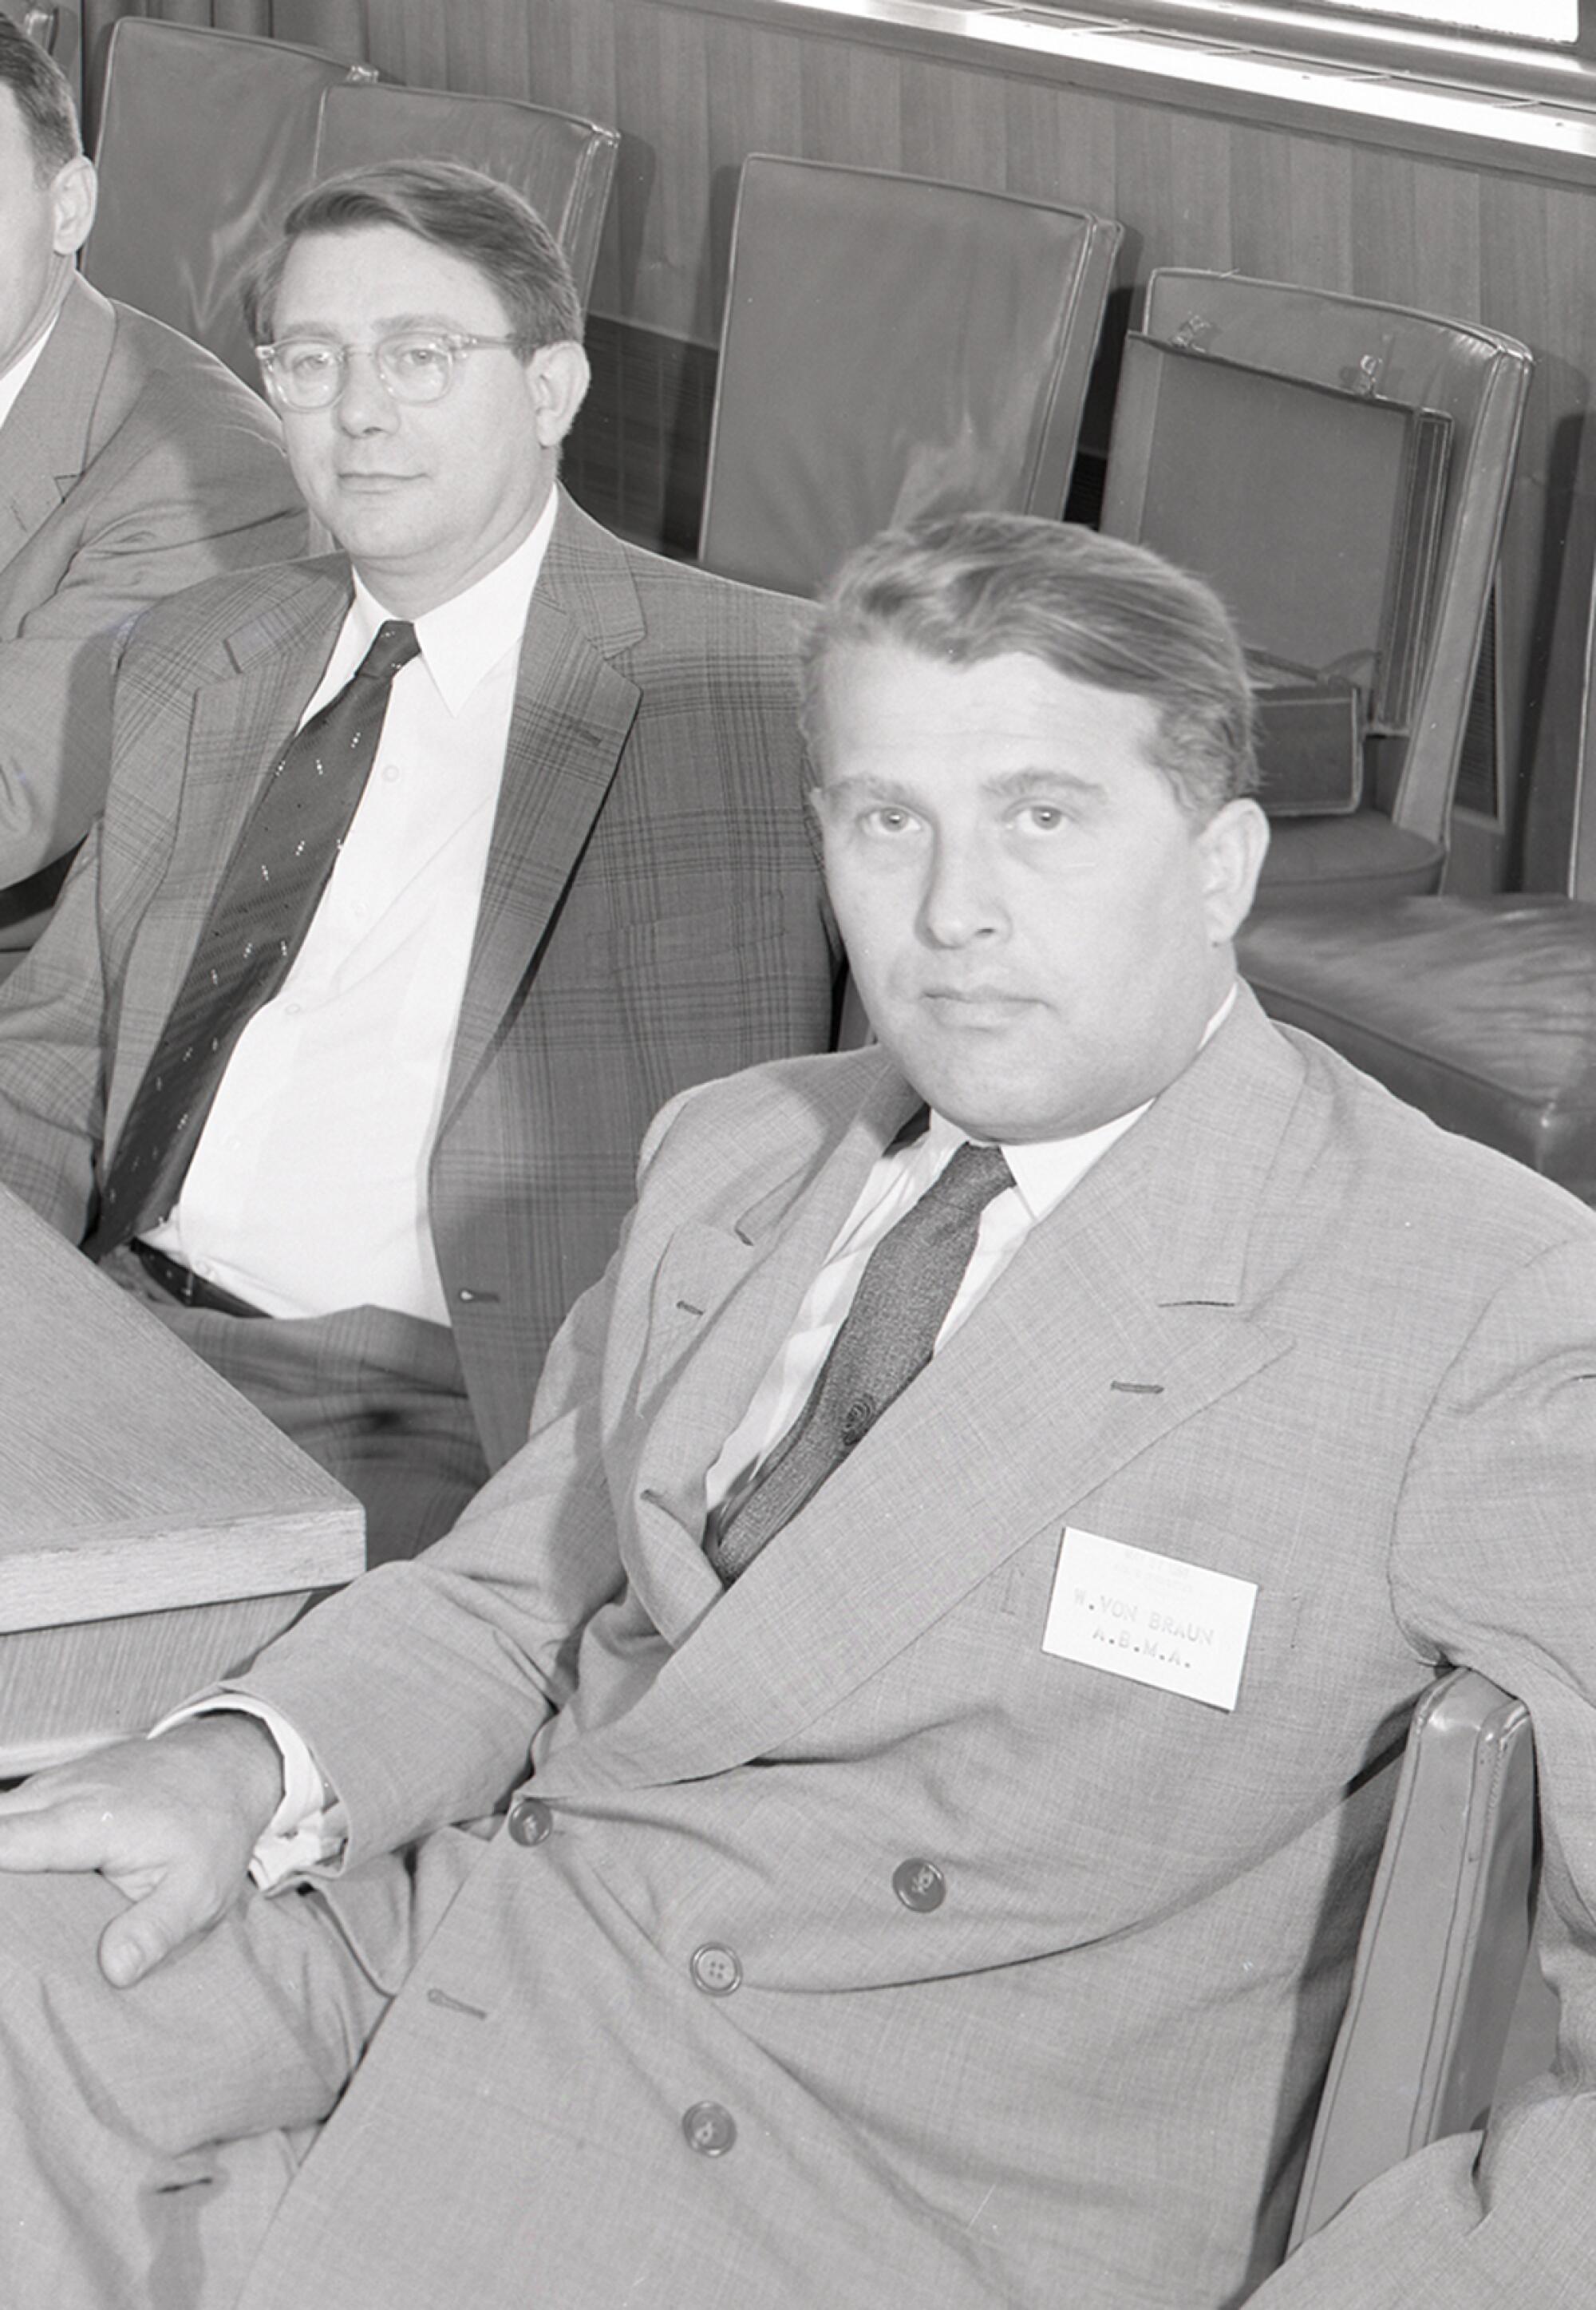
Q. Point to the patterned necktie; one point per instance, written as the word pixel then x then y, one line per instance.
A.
pixel 901 1303
pixel 263 908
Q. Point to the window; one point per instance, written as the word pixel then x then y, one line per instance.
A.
pixel 1522 20
pixel 1503 43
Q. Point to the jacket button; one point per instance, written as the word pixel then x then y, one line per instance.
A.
pixel 919 1885
pixel 857 1421
pixel 715 1969
pixel 529 1821
pixel 710 2129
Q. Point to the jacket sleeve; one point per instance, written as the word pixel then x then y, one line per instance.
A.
pixel 192 483
pixel 420 1687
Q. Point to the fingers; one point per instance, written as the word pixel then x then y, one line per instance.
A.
pixel 173 1914
pixel 169 1822
pixel 67 1834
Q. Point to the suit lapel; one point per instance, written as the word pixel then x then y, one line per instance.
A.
pixel 724 1300
pixel 240 714
pixel 572 716
pixel 1126 1303
pixel 45 442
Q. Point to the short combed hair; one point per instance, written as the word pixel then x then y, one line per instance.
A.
pixel 44 99
pixel 454 208
pixel 977 586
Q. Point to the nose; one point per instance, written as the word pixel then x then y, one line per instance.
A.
pixel 364 403
pixel 962 903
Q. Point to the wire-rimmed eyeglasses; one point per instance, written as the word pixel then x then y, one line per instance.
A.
pixel 411 365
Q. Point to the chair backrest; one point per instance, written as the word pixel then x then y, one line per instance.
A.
pixel 891 346
pixel 44 25
pixel 205 137
pixel 564 165
pixel 1479 378
pixel 1443 1950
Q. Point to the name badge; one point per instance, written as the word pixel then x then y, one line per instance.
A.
pixel 1151 1617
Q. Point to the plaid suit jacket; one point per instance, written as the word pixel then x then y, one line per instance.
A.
pixel 132 465
pixel 652 913
pixel 1287 1330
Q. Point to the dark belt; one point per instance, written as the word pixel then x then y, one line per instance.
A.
pixel 192 1290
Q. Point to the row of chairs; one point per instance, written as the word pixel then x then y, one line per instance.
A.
pixel 890 346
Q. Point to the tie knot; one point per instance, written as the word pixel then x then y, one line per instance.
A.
pixel 970 1181
pixel 392 646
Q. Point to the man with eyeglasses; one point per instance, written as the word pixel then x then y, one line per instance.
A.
pixel 428 871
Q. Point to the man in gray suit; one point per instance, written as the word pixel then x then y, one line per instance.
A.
pixel 568 871
pixel 132 463
pixel 973 1549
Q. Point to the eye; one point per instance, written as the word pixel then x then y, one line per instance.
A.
pixel 416 359
pixel 306 363
pixel 889 818
pixel 1040 818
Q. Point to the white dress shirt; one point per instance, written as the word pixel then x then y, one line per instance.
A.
pixel 16 376
pixel 307 1190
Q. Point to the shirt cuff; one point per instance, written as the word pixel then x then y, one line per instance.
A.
pixel 307 1828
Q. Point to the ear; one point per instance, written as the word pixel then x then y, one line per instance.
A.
pixel 1233 844
pixel 557 379
pixel 74 190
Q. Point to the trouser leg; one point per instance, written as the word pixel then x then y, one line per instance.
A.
pixel 377 1398
pixel 147 2135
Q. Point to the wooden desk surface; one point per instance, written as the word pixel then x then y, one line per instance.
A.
pixel 155 1529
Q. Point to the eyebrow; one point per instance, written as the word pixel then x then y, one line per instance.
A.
pixel 391 324
pixel 1010 786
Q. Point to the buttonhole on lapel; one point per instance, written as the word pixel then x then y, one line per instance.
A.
pixel 455 2004
pixel 1136 1387
pixel 688 1308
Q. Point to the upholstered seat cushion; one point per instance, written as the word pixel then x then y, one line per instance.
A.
pixel 1333 862
pixel 1482 1011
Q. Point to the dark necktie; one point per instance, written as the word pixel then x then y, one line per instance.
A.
pixel 909 1283
pixel 263 908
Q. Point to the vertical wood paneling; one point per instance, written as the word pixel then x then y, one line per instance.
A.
pixel 1059 147
pixel 953 125
pixel 852 105
pixel 758 108
pixel 409 38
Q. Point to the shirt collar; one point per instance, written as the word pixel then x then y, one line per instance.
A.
pixel 1045 1169
pixel 463 639
pixel 16 376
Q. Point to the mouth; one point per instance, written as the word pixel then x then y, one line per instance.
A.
pixel 976 1006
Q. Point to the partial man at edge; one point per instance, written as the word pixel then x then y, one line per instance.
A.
pixel 339 1046
pixel 950 1807
pixel 132 463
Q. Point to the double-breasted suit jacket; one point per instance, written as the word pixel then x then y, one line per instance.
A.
pixel 134 464
pixel 652 911
pixel 864 1949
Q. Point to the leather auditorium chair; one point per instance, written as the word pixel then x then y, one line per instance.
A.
pixel 1442 2011
pixel 1481 1010
pixel 1395 843
pixel 891 346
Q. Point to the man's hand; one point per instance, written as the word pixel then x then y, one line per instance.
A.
pixel 171 1822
